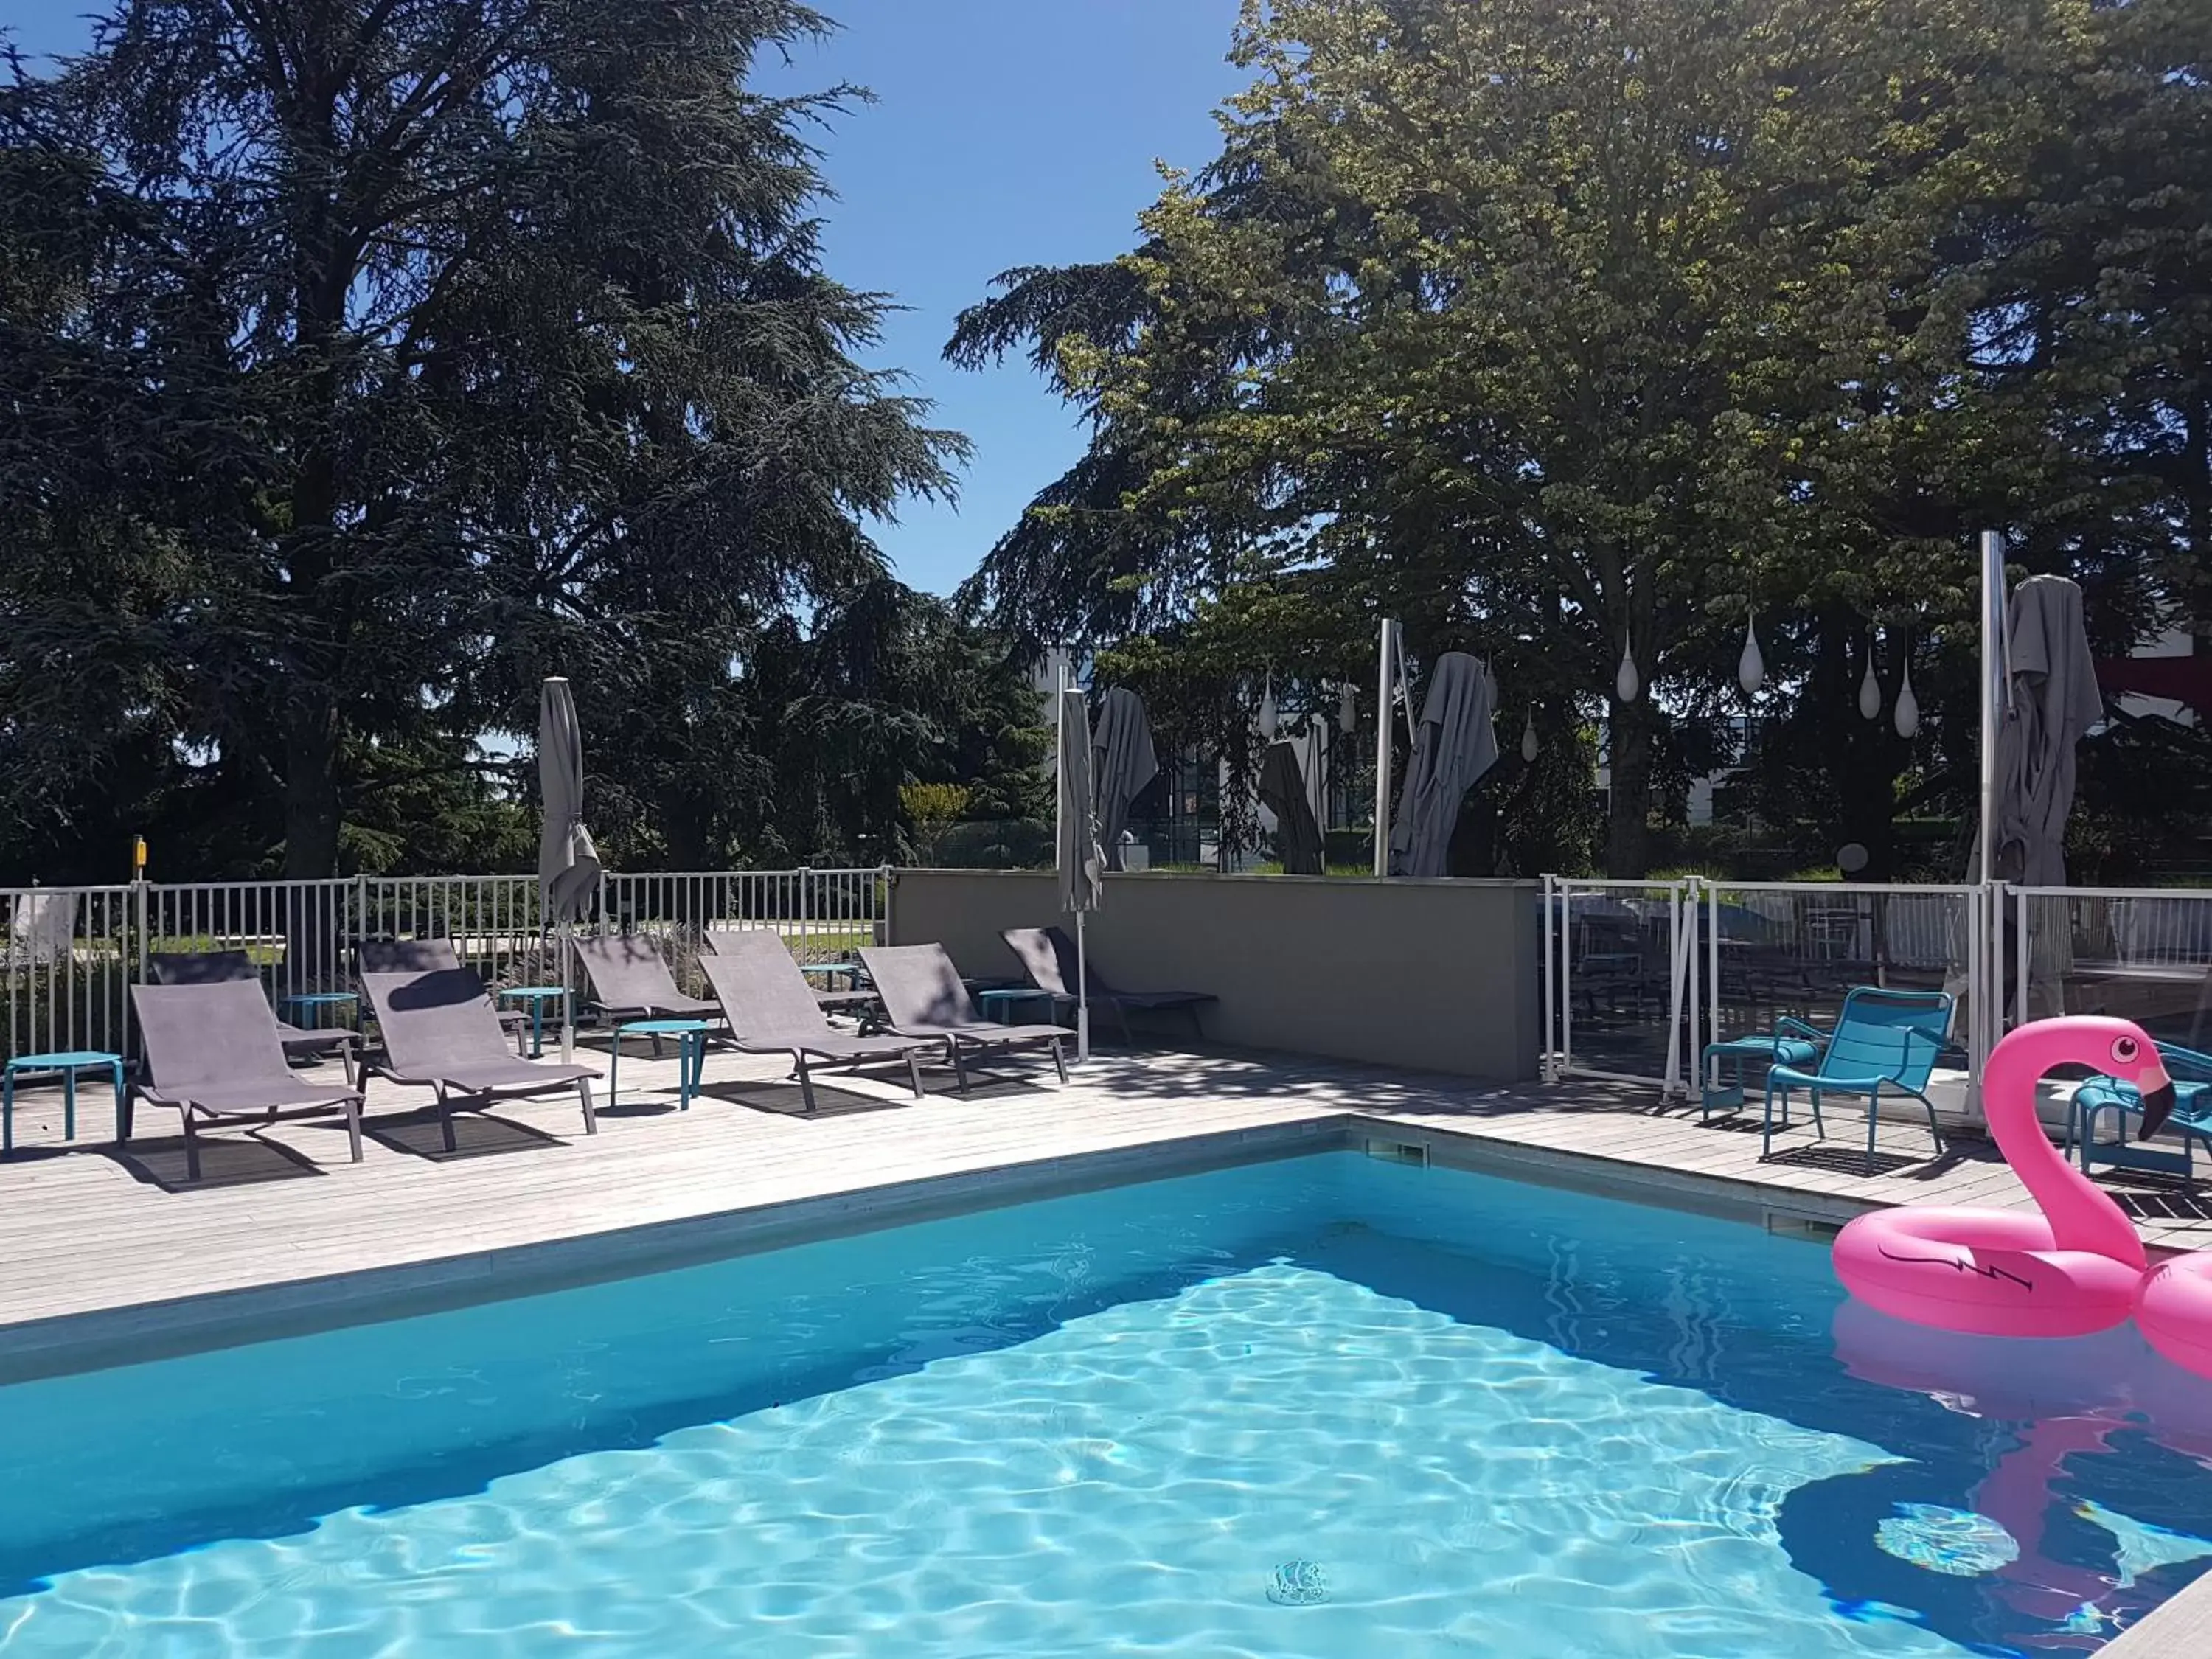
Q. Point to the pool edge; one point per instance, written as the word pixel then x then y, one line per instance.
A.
pixel 135 1333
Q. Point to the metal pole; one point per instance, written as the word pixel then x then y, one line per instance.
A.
pixel 1082 994
pixel 1551 990
pixel 1988 1018
pixel 1059 844
pixel 1383 685
pixel 1677 972
pixel 1713 976
pixel 1566 983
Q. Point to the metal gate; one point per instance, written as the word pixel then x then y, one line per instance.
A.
pixel 1621 980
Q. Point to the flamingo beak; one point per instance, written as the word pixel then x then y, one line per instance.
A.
pixel 2157 1090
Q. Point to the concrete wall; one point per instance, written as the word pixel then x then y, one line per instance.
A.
pixel 1440 975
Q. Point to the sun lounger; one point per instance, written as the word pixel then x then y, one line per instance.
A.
pixel 856 1002
pixel 771 1009
pixel 923 997
pixel 1047 955
pixel 429 955
pixel 630 980
pixel 213 1054
pixel 224 967
pixel 439 1032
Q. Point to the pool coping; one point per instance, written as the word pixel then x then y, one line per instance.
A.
pixel 131 1332
pixel 128 1333
pixel 145 1331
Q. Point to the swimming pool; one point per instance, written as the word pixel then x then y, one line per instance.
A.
pixel 1325 1404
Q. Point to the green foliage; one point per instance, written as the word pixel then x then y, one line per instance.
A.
pixel 1549 328
pixel 361 364
pixel 931 809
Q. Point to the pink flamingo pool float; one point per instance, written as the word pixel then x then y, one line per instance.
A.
pixel 2173 1302
pixel 2075 1268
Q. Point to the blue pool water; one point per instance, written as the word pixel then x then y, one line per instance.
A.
pixel 1317 1407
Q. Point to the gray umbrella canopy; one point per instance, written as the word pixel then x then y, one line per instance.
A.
pixel 1122 763
pixel 1283 791
pixel 568 863
pixel 2051 701
pixel 2054 700
pixel 1452 747
pixel 1078 864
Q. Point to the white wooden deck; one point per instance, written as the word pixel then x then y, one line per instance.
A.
pixel 89 1228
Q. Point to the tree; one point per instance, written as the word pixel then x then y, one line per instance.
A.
pixel 931 810
pixel 378 356
pixel 1559 329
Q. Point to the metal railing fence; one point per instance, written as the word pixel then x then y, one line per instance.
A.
pixel 1638 977
pixel 2142 953
pixel 69 954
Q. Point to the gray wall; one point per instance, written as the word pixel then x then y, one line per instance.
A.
pixel 1440 975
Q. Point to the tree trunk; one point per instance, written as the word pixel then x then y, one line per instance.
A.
pixel 1628 811
pixel 311 787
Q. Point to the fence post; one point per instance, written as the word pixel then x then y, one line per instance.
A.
pixel 139 892
pixel 1544 1069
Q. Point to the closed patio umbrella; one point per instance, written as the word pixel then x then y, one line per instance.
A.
pixel 1283 791
pixel 2052 679
pixel 568 863
pixel 1452 747
pixel 2051 700
pixel 1122 763
pixel 1078 863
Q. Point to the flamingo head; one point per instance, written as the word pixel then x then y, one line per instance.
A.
pixel 2129 1055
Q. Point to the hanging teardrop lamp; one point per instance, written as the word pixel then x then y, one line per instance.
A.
pixel 1751 667
pixel 1529 747
pixel 1625 683
pixel 1908 706
pixel 1870 687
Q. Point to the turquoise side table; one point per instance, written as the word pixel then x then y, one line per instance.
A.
pixel 68 1064
pixel 538 996
pixel 691 1036
pixel 1725 1061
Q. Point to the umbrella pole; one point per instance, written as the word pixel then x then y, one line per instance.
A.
pixel 568 996
pixel 1987 1023
pixel 1383 686
pixel 1082 994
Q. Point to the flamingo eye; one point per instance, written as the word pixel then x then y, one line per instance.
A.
pixel 2124 1049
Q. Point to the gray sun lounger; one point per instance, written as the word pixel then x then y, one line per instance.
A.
pixel 223 967
pixel 1047 955
pixel 836 1001
pixel 441 1032
pixel 630 980
pixel 214 1056
pixel 772 1010
pixel 923 997
pixel 430 956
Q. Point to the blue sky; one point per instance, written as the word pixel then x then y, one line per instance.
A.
pixel 1007 133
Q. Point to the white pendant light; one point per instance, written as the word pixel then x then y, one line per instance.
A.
pixel 1268 719
pixel 1751 667
pixel 1347 710
pixel 1529 747
pixel 1625 683
pixel 1908 706
pixel 1870 688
